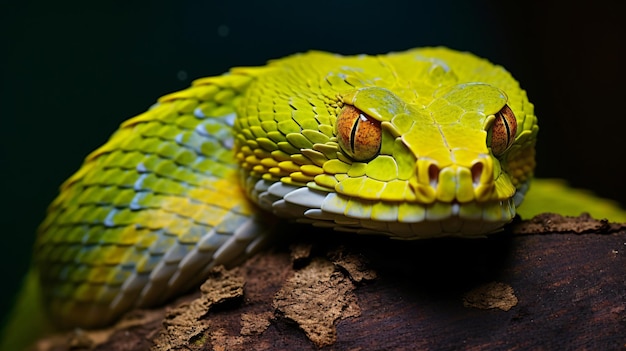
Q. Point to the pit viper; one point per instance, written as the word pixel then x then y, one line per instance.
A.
pixel 426 143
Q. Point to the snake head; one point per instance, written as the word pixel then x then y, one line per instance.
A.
pixel 419 144
pixel 442 161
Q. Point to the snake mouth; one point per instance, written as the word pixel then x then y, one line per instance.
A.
pixel 400 220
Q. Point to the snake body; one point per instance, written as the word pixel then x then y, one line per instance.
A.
pixel 425 143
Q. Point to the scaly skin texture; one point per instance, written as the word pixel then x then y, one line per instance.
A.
pixel 430 142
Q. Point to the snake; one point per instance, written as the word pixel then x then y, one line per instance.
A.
pixel 425 143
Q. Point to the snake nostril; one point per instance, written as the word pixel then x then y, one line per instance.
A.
pixel 477 172
pixel 433 175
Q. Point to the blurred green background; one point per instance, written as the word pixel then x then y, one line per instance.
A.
pixel 73 71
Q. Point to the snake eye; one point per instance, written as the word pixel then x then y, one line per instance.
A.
pixel 502 133
pixel 358 134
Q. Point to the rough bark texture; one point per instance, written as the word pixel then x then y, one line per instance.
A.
pixel 548 283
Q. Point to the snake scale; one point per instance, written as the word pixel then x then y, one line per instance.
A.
pixel 424 143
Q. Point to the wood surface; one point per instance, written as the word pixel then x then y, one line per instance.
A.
pixel 550 283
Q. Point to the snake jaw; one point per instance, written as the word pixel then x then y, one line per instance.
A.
pixel 400 220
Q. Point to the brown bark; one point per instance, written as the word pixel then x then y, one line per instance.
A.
pixel 547 283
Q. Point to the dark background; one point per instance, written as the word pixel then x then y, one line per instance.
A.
pixel 71 72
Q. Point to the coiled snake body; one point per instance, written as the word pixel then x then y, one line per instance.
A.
pixel 424 143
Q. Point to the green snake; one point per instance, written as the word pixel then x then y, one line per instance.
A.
pixel 425 143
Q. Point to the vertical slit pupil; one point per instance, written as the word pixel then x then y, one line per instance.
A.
pixel 353 133
pixel 505 122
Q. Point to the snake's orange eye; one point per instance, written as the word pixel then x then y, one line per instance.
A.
pixel 358 134
pixel 502 133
